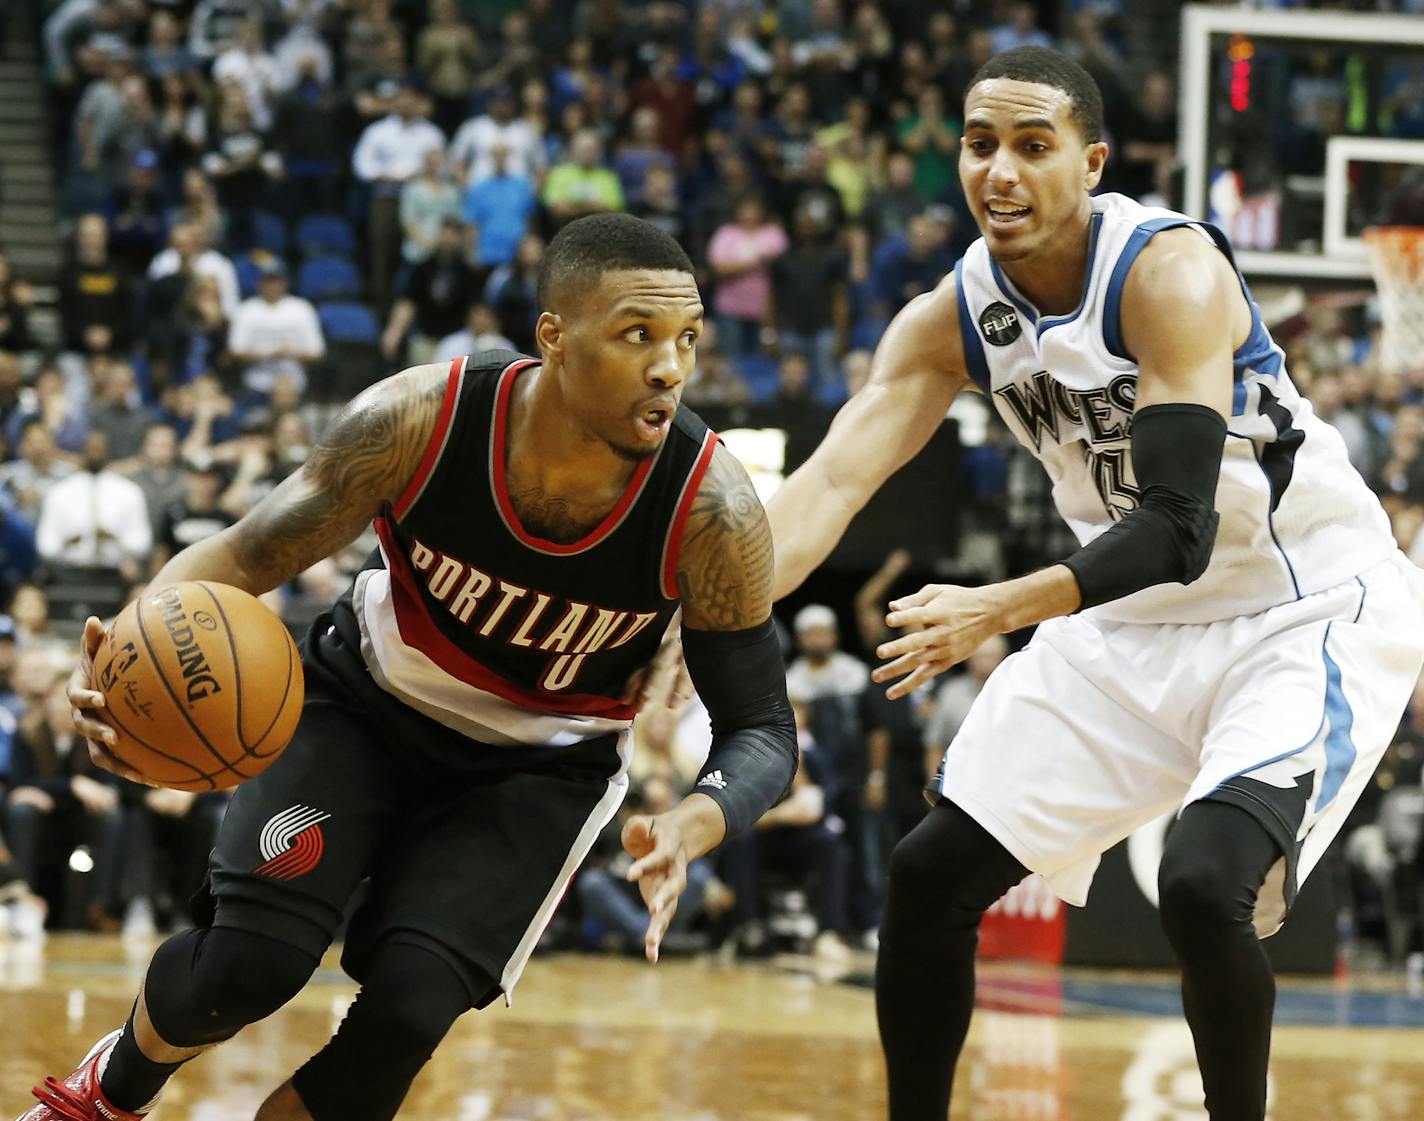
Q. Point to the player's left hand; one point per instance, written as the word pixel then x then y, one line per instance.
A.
pixel 659 869
pixel 946 624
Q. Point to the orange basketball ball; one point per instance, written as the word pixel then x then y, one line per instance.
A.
pixel 202 684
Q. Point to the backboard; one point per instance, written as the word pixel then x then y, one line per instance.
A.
pixel 1298 129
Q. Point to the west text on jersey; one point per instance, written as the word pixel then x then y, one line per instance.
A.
pixel 1047 409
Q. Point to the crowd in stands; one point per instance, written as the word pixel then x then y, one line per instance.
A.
pixel 267 204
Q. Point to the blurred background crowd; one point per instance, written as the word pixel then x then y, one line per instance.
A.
pixel 264 205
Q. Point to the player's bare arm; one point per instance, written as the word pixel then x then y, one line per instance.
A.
pixel 1179 293
pixel 919 369
pixel 724 579
pixel 366 458
pixel 726 504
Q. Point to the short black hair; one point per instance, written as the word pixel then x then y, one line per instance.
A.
pixel 586 248
pixel 1050 68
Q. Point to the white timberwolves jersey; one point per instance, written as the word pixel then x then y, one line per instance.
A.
pixel 1296 518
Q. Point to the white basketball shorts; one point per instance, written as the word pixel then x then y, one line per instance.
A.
pixel 1098 727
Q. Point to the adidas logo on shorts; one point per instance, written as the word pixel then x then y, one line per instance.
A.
pixel 713 778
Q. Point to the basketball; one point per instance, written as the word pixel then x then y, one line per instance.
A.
pixel 202 684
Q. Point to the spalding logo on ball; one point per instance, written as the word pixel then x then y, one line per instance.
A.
pixel 202 684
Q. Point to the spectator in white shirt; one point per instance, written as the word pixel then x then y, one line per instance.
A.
pixel 302 43
pixel 95 518
pixel 389 152
pixel 823 669
pixel 275 334
pixel 60 29
pixel 393 149
pixel 188 249
pixel 472 150
pixel 482 332
pixel 255 70
pixel 214 24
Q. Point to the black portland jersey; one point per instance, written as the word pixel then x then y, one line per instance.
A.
pixel 468 617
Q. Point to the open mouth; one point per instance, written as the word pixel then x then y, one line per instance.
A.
pixel 653 423
pixel 1002 214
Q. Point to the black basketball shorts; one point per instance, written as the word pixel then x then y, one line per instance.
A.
pixel 467 847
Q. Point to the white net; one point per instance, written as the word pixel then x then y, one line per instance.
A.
pixel 1397 260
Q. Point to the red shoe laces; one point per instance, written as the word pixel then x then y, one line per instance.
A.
pixel 65 1100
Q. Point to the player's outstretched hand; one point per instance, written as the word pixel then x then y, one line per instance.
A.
pixel 659 869
pixel 944 625
pixel 86 702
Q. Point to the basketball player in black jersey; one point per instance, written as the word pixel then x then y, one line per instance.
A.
pixel 465 732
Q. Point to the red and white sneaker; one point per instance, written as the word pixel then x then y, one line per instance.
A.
pixel 78 1097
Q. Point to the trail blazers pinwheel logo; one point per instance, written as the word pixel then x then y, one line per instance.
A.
pixel 291 843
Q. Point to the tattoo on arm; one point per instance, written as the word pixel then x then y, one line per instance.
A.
pixel 725 568
pixel 364 459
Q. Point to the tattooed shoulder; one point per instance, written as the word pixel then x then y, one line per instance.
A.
pixel 378 439
pixel 364 459
pixel 725 567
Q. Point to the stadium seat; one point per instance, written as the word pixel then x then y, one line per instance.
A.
pixel 348 323
pixel 269 232
pixel 353 361
pixel 328 278
pixel 326 234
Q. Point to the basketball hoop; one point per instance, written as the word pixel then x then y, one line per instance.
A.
pixel 1397 260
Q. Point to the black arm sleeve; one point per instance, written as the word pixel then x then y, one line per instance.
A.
pixel 1176 456
pixel 742 680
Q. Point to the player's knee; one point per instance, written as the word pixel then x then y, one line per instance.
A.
pixel 411 1025
pixel 206 985
pixel 252 975
pixel 950 858
pixel 915 863
pixel 1197 896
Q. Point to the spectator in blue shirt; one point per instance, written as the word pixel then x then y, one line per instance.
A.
pixel 165 54
pixel 499 207
pixel 18 557
pixel 905 267
pixel 1020 30
pixel 640 153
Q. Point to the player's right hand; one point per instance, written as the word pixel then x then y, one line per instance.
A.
pixel 86 702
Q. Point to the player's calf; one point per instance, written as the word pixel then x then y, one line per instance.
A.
pixel 283 1104
pixel 203 986
pixel 409 998
pixel 1215 862
pixel 943 876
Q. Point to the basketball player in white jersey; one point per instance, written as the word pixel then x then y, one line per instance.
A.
pixel 1237 635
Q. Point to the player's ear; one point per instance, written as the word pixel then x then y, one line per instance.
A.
pixel 549 332
pixel 1095 160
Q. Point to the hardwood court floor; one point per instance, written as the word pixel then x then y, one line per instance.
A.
pixel 601 1039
